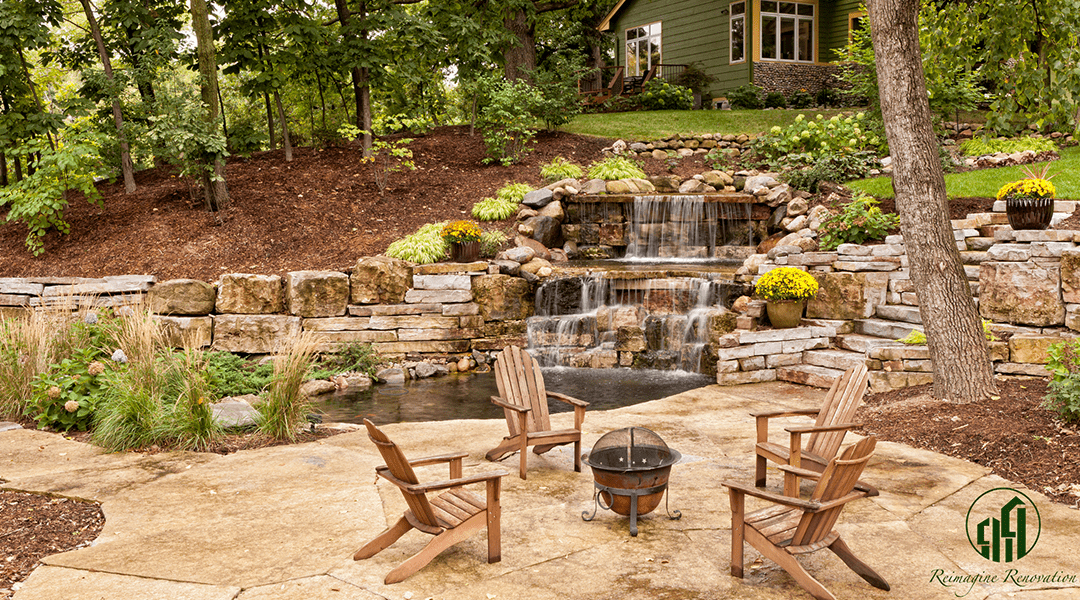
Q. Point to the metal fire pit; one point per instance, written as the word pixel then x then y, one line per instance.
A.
pixel 630 470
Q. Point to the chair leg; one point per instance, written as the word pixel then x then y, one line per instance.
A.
pixel 788 563
pixel 577 456
pixel 524 457
pixel 439 543
pixel 759 471
pixel 494 520
pixel 383 540
pixel 841 549
pixel 738 528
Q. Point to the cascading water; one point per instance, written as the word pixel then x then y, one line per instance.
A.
pixel 685 228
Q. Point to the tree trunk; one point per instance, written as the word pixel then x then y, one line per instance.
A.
pixel 270 120
pixel 359 77
pixel 217 193
pixel 322 99
pixel 3 170
pixel 958 349
pixel 285 138
pixel 520 58
pixel 118 118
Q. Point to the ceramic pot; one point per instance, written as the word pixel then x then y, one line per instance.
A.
pixel 784 314
pixel 1029 213
pixel 464 251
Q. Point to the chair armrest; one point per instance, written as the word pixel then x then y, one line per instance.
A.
pixel 567 399
pixel 421 488
pixel 807 473
pixel 497 401
pixel 771 496
pixel 786 413
pixel 434 460
pixel 813 428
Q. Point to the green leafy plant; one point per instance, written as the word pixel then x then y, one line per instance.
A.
pixel 786 283
pixel 559 168
pixel 423 247
pixel 386 156
pixel 658 94
pixel 67 396
pixel 801 99
pixel 855 222
pixel 284 409
pixel 983 146
pixel 181 135
pixel 555 99
pixel 695 78
pixel 616 167
pixel 190 420
pixel 232 375
pixel 491 241
pixel 1064 387
pixel 745 97
pixel 505 119
pixel 819 137
pixel 915 338
pixel 493 209
pixel 836 168
pixel 775 100
pixel 351 357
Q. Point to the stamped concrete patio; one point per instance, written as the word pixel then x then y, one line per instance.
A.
pixel 283 522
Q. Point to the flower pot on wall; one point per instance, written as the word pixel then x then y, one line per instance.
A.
pixel 1029 213
pixel 465 251
pixel 784 314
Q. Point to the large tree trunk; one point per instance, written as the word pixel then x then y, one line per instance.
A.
pixel 958 349
pixel 217 193
pixel 520 58
pixel 359 77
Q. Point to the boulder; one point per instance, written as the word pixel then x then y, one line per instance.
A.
pixel 535 265
pixel 593 187
pixel 553 210
pixel 1021 293
pixel 540 249
pixel 317 293
pixel 380 280
pixel 537 198
pixel 717 179
pixel 797 206
pixel 182 297
pixel 665 183
pixel 253 334
pixel 618 187
pixel 630 339
pixel 520 254
pixel 546 230
pixel 758 182
pixel 843 295
pixel 693 186
pixel 242 293
pixel 186 332
pixel 317 387
pixel 503 298
pixel 236 411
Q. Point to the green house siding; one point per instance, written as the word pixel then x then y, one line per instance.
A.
pixel 834 27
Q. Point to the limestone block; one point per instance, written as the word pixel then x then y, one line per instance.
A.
pixel 775 335
pixel 187 332
pixel 395 309
pixel 118 284
pixel 182 297
pixel 1021 293
pixel 317 293
pixel 1070 276
pixel 15 300
pixel 246 294
pixel 727 366
pixel 783 360
pixel 1032 348
pixel 746 377
pixel 630 339
pixel 503 298
pixel 460 310
pixel 1009 252
pixel 752 363
pixel 16 285
pixel 437 296
pixel 253 334
pixel 883 381
pixel 845 295
pixel 1011 368
pixel 442 282
pixel 379 280
pixel 412 322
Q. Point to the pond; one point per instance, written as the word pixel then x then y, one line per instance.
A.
pixel 467 396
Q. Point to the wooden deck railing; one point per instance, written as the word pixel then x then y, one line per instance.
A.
pixel 606 82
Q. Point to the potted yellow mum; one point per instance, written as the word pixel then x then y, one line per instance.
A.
pixel 1029 202
pixel 785 291
pixel 464 239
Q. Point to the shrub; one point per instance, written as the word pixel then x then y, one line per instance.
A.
pixel 836 168
pixel 284 409
pixel 1064 387
pixel 231 375
pixel 786 283
pixel 27 347
pixel 857 221
pixel 616 167
pixel 828 98
pixel 747 97
pixel 505 119
pixel 775 100
pixel 491 241
pixel 559 168
pixel 423 247
pixel 554 98
pixel 386 156
pixel 658 94
pixel 819 137
pixel 190 420
pixel 493 209
pixel 67 396
pixel 352 357
pixel 801 99
pixel 984 146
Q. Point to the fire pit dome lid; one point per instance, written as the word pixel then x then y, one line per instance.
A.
pixel 631 449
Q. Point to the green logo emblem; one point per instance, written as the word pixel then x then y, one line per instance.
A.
pixel 1000 524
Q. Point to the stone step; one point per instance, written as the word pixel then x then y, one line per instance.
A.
pixel 812 375
pixel 835 359
pixel 857 342
pixel 884 329
pixel 899 312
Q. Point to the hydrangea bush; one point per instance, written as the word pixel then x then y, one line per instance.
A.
pixel 819 137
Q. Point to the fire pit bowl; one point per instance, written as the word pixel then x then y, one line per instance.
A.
pixel 630 472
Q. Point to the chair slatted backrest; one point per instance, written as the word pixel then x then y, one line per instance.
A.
pixel 401 469
pixel 521 383
pixel 840 404
pixel 838 479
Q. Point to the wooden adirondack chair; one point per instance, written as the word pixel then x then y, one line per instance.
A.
pixel 523 397
pixel 834 418
pixel 451 517
pixel 796 526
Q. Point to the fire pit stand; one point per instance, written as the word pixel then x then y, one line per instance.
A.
pixel 630 470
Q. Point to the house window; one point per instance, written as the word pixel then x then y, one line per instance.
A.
pixel 856 22
pixel 787 31
pixel 738 32
pixel 642 49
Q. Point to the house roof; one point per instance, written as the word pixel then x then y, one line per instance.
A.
pixel 606 23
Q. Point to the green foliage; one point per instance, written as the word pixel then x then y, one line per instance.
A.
pixel 857 221
pixel 807 174
pixel 555 98
pixel 67 396
pixel 491 242
pixel 828 97
pixel 983 146
pixel 615 167
pixel 387 156
pixel 820 137
pixel 190 420
pixel 1064 387
pixel 39 200
pixel 801 99
pixel 351 357
pixel 232 375
pixel 390 124
pixel 915 338
pixel 505 120
pixel 494 209
pixel 423 247
pixel 775 100
pixel 658 94
pixel 695 78
pixel 745 97
pixel 181 134
pixel 559 168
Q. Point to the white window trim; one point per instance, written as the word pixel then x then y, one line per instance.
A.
pixel 761 30
pixel 626 43
pixel 731 32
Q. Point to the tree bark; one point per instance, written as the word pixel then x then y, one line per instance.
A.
pixel 285 138
pixel 217 193
pixel 958 348
pixel 521 58
pixel 359 77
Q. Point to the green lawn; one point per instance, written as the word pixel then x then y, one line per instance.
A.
pixel 986 182
pixel 657 124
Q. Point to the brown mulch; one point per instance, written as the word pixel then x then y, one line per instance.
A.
pixel 1011 434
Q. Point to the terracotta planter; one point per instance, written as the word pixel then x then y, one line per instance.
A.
pixel 785 313
pixel 1029 213
pixel 465 251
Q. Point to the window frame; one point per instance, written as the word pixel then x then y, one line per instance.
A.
pixel 647 38
pixel 797 20
pixel 732 18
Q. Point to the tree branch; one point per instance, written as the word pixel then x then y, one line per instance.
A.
pixel 550 6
